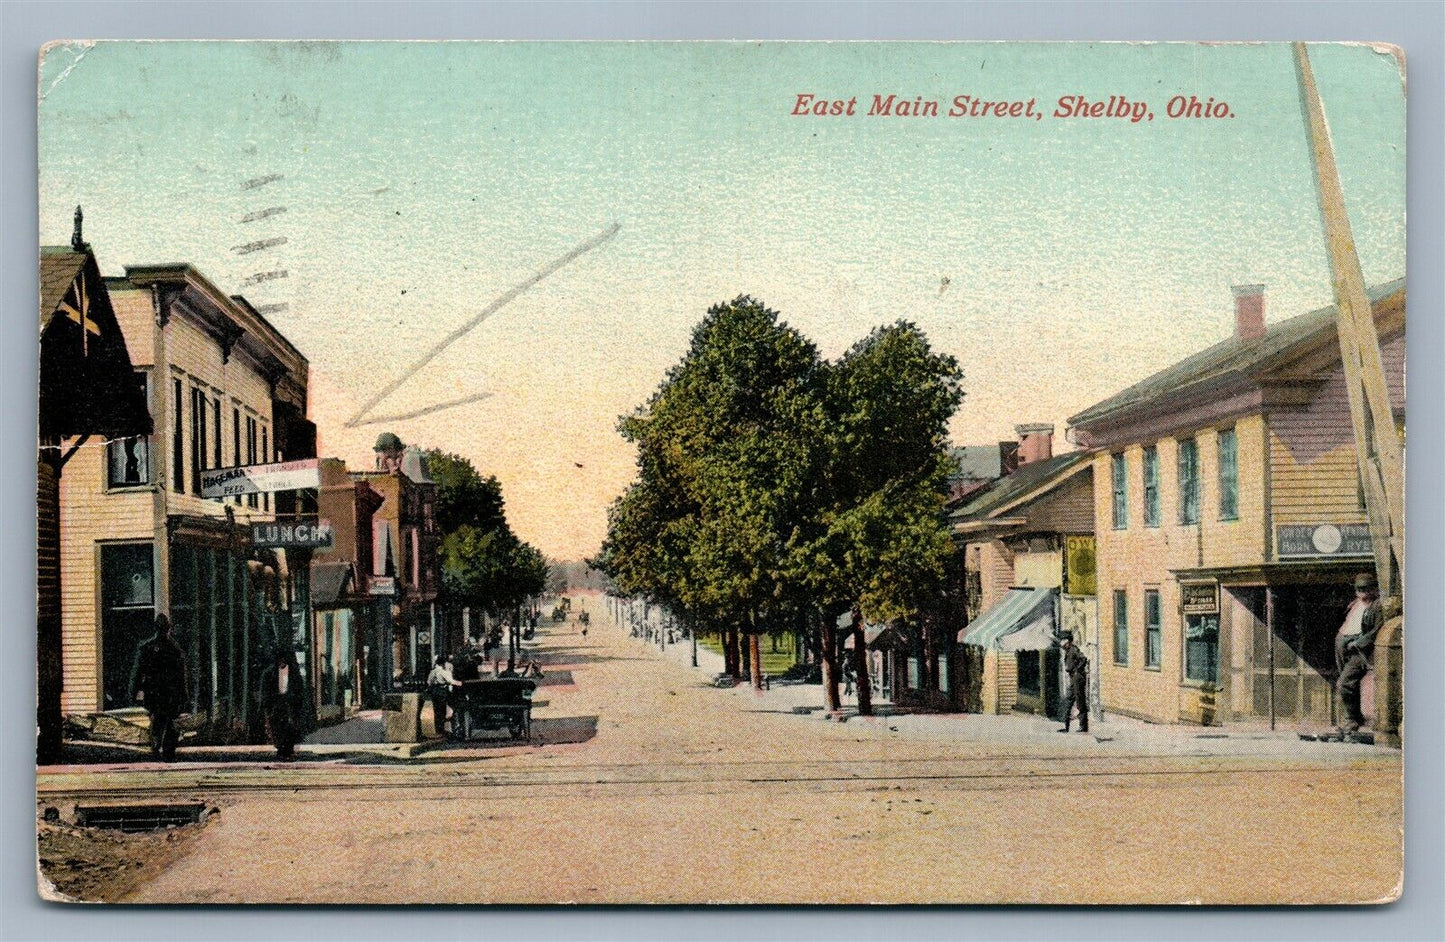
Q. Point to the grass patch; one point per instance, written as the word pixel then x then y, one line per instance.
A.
pixel 774 662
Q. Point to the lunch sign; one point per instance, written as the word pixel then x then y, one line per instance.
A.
pixel 304 535
pixel 261 478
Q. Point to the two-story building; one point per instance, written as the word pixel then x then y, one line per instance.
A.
pixel 1231 521
pixel 343 609
pixel 1027 547
pixel 225 388
pixel 89 394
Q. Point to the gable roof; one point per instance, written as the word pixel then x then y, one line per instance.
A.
pixel 59 264
pixel 1027 479
pixel 1230 358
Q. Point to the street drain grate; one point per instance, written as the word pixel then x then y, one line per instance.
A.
pixel 139 817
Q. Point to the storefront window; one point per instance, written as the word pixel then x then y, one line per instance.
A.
pixel 127 587
pixel 1030 679
pixel 1201 648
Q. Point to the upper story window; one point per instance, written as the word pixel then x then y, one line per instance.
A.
pixel 178 440
pixel 1188 481
pixel 1121 492
pixel 1228 475
pixel 251 441
pixel 1151 486
pixel 128 460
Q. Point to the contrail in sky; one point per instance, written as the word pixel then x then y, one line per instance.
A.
pixel 457 334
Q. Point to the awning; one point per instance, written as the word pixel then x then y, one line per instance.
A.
pixel 328 583
pixel 870 635
pixel 1037 635
pixel 1020 607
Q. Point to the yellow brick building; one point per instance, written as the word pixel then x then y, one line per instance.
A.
pixel 1230 522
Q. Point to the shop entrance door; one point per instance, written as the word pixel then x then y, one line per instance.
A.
pixel 1294 656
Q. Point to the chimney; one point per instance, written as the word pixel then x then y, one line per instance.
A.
pixel 1008 458
pixel 1036 442
pixel 1248 312
pixel 77 240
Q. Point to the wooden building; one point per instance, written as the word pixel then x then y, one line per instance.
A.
pixel 89 394
pixel 1028 566
pixel 1231 521
pixel 225 389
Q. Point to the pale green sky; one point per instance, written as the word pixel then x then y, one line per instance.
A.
pixel 1081 254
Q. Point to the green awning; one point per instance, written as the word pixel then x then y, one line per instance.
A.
pixel 1018 608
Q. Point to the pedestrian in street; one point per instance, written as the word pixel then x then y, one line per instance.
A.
pixel 1076 669
pixel 1354 652
pixel 158 683
pixel 282 698
pixel 439 684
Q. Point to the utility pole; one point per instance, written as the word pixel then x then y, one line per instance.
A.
pixel 1378 450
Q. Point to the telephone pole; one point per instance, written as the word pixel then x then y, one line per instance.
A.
pixel 1378 450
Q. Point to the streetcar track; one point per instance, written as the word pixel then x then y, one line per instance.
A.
pixel 460 784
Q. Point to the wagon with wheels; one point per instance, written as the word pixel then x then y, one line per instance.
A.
pixel 494 703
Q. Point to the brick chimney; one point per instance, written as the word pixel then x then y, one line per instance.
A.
pixel 1248 312
pixel 1036 442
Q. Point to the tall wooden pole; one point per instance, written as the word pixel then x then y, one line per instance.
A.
pixel 1377 440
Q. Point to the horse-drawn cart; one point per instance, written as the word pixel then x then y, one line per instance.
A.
pixel 494 703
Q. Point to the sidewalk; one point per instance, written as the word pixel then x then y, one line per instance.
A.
pixel 1114 734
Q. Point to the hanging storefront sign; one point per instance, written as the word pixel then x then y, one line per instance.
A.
pixel 1324 539
pixel 383 585
pixel 315 534
pixel 1199 598
pixel 261 478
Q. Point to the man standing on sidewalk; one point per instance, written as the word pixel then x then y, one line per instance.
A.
pixel 159 684
pixel 1354 651
pixel 1076 668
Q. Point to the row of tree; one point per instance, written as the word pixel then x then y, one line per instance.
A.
pixel 778 490
pixel 484 565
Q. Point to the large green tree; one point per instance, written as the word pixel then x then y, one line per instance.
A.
pixel 720 470
pixel 484 565
pixel 464 497
pixel 878 545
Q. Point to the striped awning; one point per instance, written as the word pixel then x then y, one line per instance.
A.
pixel 1018 608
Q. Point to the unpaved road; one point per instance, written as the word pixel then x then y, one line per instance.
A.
pixel 652 787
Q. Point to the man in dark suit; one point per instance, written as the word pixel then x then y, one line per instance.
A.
pixel 1076 669
pixel 1355 652
pixel 158 683
pixel 283 699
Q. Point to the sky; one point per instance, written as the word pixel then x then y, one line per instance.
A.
pixel 1059 259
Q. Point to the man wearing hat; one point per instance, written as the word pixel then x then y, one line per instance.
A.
pixel 1076 666
pixel 1354 651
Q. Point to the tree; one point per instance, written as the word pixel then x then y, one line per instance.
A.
pixel 880 545
pixel 720 468
pixel 484 564
pixel 464 497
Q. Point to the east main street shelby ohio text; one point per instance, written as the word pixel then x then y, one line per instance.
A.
pixel 1119 107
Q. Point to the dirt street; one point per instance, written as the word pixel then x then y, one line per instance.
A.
pixel 650 786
